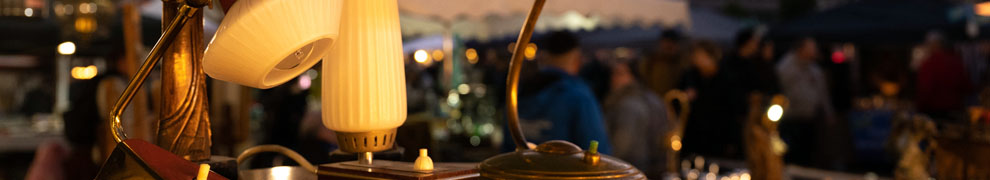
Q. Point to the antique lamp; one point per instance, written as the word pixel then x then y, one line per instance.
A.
pixel 553 159
pixel 365 96
pixel 272 40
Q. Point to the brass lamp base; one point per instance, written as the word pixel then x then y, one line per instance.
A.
pixel 371 141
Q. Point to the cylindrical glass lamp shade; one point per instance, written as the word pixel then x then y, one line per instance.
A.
pixel 264 43
pixel 364 93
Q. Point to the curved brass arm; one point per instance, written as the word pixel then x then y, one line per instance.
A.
pixel 168 35
pixel 512 83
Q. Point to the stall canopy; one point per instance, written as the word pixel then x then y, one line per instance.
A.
pixel 873 21
pixel 483 19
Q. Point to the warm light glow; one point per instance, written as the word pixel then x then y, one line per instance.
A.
pixel 463 89
pixel 530 51
pixel 28 12
pixel 744 176
pixel 421 56
pixel 437 55
pixel 675 143
pixel 775 112
pixel 471 55
pixel 699 162
pixel 982 9
pixel 84 73
pixel 281 172
pixel 67 48
pixel 85 24
pixel 85 8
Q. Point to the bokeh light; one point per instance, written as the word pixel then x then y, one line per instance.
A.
pixel 67 48
pixel 472 55
pixel 421 56
pixel 775 112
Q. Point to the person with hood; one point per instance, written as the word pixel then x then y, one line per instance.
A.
pixel 556 104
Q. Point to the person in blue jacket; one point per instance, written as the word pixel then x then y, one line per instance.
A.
pixel 556 104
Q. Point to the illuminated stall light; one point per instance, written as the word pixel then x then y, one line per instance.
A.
pixel 472 55
pixel 83 73
pixel 437 55
pixel 421 56
pixel 530 51
pixel 67 48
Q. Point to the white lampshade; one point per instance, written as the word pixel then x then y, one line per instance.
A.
pixel 264 43
pixel 364 93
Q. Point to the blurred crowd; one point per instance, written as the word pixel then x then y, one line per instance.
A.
pixel 624 101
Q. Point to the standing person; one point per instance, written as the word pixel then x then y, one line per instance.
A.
pixel 752 64
pixel 942 80
pixel 804 83
pixel 555 104
pixel 662 69
pixel 637 122
pixel 712 128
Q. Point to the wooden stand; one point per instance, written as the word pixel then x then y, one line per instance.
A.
pixel 400 170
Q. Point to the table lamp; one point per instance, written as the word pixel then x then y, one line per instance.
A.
pixel 260 43
pixel 364 94
pixel 552 159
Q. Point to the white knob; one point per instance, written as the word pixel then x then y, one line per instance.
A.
pixel 423 162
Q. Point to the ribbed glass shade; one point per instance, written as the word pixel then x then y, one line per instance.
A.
pixel 264 43
pixel 363 76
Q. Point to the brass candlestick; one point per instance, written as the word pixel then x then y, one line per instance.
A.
pixel 184 128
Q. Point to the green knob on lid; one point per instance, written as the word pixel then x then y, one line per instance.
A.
pixel 593 149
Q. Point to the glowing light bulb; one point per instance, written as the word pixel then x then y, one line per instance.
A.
pixel 530 51
pixel 437 55
pixel 463 89
pixel 28 12
pixel 675 143
pixel 281 172
pixel 775 112
pixel 67 48
pixel 471 55
pixel 421 56
pixel 83 73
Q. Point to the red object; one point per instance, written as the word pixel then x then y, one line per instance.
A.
pixel 226 4
pixel 838 57
pixel 137 159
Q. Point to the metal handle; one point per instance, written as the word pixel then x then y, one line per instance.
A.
pixel 168 35
pixel 512 83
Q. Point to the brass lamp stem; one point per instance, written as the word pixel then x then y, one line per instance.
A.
pixel 512 83
pixel 168 35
